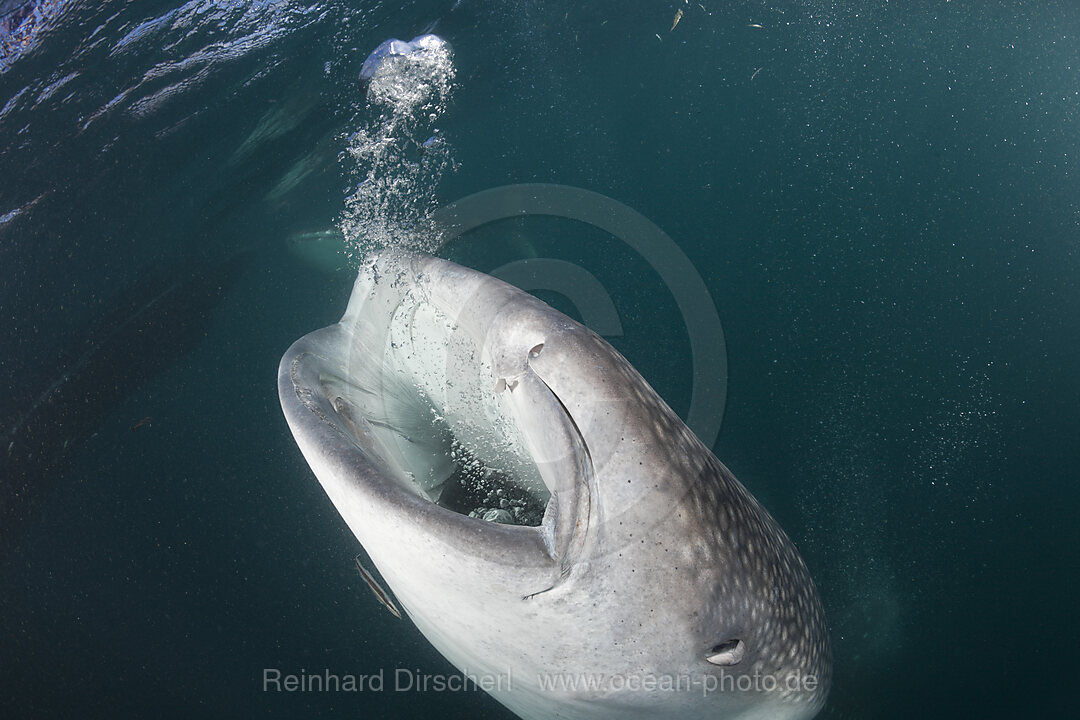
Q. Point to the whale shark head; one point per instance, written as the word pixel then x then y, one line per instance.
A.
pixel 548 523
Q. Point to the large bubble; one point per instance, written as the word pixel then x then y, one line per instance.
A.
pixel 409 75
pixel 386 49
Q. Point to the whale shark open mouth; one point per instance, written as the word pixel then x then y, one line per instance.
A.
pixel 431 447
pixel 410 377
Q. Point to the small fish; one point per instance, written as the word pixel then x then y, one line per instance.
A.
pixel 382 595
pixel 755 25
pixel 678 17
pixel 145 422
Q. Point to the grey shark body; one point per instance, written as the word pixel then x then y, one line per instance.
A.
pixel 654 586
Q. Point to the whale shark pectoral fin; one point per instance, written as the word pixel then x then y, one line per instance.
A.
pixel 380 592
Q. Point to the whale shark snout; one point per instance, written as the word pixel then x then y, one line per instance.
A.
pixel 649 584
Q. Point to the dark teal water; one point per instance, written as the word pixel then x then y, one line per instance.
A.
pixel 887 216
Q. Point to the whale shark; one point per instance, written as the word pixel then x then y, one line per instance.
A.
pixel 543 517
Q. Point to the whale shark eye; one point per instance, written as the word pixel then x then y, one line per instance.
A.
pixel 729 652
pixel 535 352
